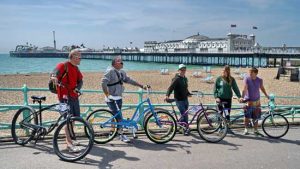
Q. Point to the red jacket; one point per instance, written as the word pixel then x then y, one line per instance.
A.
pixel 69 81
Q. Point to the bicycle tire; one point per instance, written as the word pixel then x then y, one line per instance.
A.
pixel 164 132
pixel 211 126
pixel 274 123
pixel 29 132
pixel 85 140
pixel 148 113
pixel 102 134
pixel 216 128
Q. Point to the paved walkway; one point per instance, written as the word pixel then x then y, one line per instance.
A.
pixel 236 151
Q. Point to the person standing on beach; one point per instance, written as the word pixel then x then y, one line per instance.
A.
pixel 68 79
pixel 179 85
pixel 223 87
pixel 112 86
pixel 251 94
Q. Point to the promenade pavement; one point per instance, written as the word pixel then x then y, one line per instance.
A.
pixel 235 151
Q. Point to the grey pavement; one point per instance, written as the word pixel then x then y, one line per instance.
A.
pixel 235 151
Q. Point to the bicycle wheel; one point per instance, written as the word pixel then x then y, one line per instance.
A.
pixel 160 128
pixel 103 133
pixel 22 127
pixel 211 126
pixel 81 141
pixel 275 125
pixel 148 113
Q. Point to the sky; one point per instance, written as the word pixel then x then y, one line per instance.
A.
pixel 116 23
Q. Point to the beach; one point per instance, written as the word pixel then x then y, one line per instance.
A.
pixel 158 82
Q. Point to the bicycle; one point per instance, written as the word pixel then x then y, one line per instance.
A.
pixel 208 120
pixel 273 124
pixel 27 125
pixel 159 124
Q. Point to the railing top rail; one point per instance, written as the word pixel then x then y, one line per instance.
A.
pixel 128 92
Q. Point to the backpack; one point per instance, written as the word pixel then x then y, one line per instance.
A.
pixel 52 86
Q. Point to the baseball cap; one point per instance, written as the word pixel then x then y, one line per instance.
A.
pixel 181 66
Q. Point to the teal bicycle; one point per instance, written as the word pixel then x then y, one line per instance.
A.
pixel 160 126
pixel 273 124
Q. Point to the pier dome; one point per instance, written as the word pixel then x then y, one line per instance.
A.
pixel 195 38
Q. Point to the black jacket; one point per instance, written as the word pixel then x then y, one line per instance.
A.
pixel 180 87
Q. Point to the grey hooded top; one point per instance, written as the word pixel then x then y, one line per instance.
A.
pixel 111 77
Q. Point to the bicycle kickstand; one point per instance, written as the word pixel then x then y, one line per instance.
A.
pixel 134 133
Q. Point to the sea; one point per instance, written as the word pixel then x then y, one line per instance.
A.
pixel 16 65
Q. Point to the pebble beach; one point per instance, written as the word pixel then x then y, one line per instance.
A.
pixel 158 82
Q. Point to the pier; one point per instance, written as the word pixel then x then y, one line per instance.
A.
pixel 241 59
pixel 232 59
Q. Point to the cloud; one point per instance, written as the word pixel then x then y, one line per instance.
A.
pixel 115 22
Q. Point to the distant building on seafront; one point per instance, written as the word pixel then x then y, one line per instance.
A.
pixel 202 44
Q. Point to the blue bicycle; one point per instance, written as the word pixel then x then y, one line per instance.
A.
pixel 160 126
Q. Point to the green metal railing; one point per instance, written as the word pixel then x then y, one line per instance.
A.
pixel 290 111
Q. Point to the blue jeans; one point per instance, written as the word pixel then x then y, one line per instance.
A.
pixel 183 106
pixel 112 106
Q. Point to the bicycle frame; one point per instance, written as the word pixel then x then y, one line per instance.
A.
pixel 137 116
pixel 196 114
pixel 39 121
pixel 271 106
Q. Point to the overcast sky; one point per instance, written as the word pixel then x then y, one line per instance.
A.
pixel 119 22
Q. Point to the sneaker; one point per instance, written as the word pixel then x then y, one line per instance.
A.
pixel 258 134
pixel 246 132
pixel 75 143
pixel 124 138
pixel 73 149
pixel 186 132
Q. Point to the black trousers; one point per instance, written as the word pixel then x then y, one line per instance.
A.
pixel 227 105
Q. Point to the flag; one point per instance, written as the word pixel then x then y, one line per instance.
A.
pixel 233 25
pixel 254 27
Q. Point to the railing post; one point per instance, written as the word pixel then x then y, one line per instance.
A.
pixel 140 94
pixel 293 113
pixel 25 94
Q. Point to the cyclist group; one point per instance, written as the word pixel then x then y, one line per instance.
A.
pixel 69 75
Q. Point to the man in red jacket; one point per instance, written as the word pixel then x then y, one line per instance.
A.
pixel 68 78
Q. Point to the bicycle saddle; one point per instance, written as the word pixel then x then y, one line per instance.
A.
pixel 39 98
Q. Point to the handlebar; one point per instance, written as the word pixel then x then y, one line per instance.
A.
pixel 198 93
